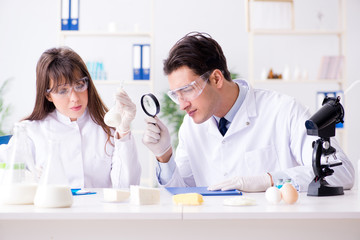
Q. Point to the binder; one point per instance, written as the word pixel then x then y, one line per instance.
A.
pixel 65 14
pixel 137 61
pixel 69 15
pixel 141 61
pixel 146 61
pixel 74 15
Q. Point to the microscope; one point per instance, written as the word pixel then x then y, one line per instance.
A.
pixel 322 124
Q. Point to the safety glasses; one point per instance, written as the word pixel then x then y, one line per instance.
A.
pixel 63 91
pixel 190 91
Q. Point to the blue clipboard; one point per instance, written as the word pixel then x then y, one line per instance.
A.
pixel 202 190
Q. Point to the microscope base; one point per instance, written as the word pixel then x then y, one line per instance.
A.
pixel 322 188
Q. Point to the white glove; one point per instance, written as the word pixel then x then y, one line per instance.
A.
pixel 122 114
pixel 156 136
pixel 247 184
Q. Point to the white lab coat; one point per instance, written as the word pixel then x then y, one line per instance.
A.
pixel 267 134
pixel 82 152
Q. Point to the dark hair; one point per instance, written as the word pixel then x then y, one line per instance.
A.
pixel 199 52
pixel 61 64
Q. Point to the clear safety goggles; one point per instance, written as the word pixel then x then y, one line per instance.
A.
pixel 190 91
pixel 65 90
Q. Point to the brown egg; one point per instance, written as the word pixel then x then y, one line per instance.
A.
pixel 289 193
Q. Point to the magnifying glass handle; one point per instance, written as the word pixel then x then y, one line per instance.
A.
pixel 154 123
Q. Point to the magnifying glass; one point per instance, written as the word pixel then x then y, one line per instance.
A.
pixel 150 104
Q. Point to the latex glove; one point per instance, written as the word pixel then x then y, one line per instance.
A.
pixel 122 114
pixel 156 136
pixel 247 184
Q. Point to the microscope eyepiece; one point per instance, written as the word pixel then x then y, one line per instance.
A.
pixel 322 123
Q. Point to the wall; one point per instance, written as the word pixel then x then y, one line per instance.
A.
pixel 27 28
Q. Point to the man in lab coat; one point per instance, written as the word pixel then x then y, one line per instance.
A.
pixel 233 136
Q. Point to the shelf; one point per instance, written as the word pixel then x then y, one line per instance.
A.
pixel 337 32
pixel 282 81
pixel 115 82
pixel 290 1
pixel 335 35
pixel 105 34
pixel 295 32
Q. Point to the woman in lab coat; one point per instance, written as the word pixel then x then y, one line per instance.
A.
pixel 233 136
pixel 69 110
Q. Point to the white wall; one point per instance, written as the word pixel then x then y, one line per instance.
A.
pixel 27 28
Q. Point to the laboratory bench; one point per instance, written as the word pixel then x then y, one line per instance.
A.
pixel 335 217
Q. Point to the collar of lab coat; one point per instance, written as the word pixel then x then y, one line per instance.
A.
pixel 66 120
pixel 249 101
pixel 243 116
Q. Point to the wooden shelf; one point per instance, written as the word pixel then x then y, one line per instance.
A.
pixel 105 34
pixel 290 1
pixel 339 32
pixel 115 82
pixel 295 32
pixel 291 33
pixel 282 81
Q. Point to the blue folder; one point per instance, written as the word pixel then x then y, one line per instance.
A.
pixel 141 61
pixel 69 15
pixel 201 190
pixel 78 191
pixel 5 139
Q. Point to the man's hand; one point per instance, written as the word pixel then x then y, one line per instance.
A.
pixel 247 184
pixel 156 136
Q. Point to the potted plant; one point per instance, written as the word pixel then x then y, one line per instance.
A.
pixel 4 108
pixel 173 115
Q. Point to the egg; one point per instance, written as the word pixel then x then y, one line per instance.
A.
pixel 289 193
pixel 273 195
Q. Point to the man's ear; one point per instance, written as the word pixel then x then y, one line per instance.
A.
pixel 217 78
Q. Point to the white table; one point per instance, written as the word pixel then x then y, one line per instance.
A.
pixel 336 217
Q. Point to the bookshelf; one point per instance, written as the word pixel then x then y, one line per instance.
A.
pixel 292 32
pixel 304 36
